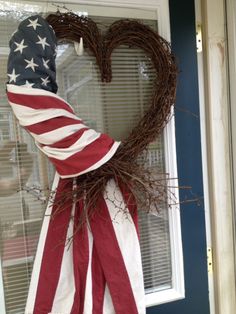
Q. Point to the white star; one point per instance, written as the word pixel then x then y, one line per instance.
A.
pixel 42 41
pixel 31 64
pixel 45 63
pixel 27 84
pixel 20 46
pixel 45 81
pixel 34 24
pixel 13 76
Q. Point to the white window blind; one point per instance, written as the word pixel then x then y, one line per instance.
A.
pixel 113 108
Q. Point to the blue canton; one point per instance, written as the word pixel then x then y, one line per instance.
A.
pixel 31 62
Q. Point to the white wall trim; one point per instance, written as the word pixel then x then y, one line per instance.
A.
pixel 204 150
pixel 161 7
pixel 161 297
pixel 178 288
pixel 231 27
pixel 218 134
pixel 2 298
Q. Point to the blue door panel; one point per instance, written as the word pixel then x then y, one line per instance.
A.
pixel 188 141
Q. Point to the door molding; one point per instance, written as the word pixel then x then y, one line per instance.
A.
pixel 231 28
pixel 2 298
pixel 218 134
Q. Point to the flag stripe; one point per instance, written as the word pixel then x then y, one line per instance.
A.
pixel 52 124
pixel 21 90
pixel 90 155
pixel 78 139
pixel 64 296
pixel 98 283
pixel 29 116
pixel 98 164
pixel 80 143
pixel 53 252
pixel 88 302
pixel 38 101
pixel 81 260
pixel 131 204
pixel 39 253
pixel 112 261
pixel 130 250
pixel 57 139
pixel 108 307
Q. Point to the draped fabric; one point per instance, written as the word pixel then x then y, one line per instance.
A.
pixel 72 147
pixel 100 270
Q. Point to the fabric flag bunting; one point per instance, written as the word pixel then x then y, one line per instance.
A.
pixel 101 271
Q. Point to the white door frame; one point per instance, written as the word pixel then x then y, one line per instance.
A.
pixel 2 298
pixel 219 153
pixel 231 27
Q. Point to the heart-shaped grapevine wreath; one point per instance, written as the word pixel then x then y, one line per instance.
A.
pixel 148 189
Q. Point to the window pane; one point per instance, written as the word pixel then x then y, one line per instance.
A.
pixel 25 175
pixel 115 108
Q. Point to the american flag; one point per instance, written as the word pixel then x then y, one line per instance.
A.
pixel 101 272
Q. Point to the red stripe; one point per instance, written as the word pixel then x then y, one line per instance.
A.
pixel 38 101
pixel 81 260
pixel 69 140
pixel 84 159
pixel 131 204
pixel 53 252
pixel 112 261
pixel 52 124
pixel 98 283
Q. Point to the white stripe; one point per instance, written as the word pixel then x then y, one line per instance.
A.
pixel 108 307
pixel 39 254
pixel 33 92
pixel 88 137
pixel 49 313
pixel 29 116
pixel 64 296
pixel 98 164
pixel 88 298
pixel 58 134
pixel 127 238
